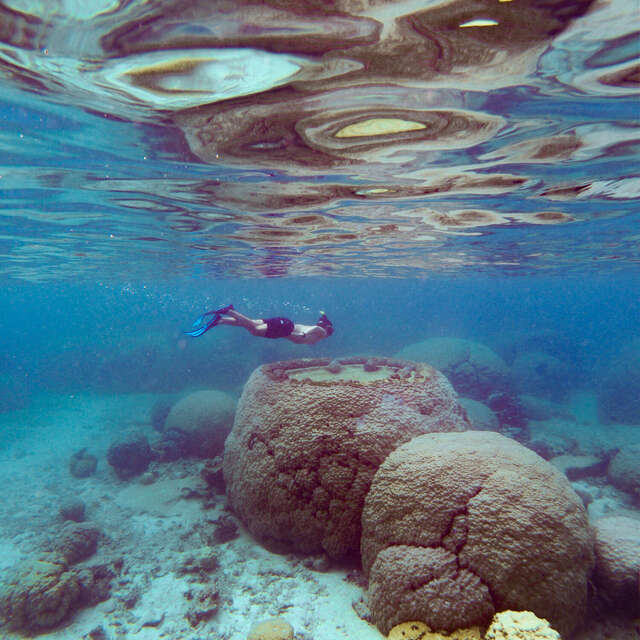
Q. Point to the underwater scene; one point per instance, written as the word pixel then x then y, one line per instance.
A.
pixel 320 319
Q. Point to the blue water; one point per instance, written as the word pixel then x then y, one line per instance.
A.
pixel 69 337
pixel 410 176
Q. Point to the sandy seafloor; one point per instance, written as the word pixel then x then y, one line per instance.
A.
pixel 149 526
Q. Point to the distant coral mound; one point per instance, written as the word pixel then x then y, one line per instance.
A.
pixel 308 438
pixel 458 525
pixel 204 420
pixel 541 374
pixel 619 393
pixel 473 369
pixel 82 464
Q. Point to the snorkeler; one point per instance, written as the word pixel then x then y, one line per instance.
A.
pixel 264 327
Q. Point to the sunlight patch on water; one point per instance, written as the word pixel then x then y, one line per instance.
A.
pixel 378 127
pixel 187 78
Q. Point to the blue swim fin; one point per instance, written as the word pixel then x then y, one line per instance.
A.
pixel 197 332
pixel 198 327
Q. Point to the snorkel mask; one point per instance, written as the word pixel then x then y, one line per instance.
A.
pixel 325 323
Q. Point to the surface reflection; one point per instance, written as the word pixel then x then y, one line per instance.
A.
pixel 356 130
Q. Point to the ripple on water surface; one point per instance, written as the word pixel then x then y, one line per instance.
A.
pixel 270 138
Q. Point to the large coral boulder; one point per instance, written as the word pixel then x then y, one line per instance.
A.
pixel 618 562
pixel 457 526
pixel 619 393
pixel 203 419
pixel 309 435
pixel 473 369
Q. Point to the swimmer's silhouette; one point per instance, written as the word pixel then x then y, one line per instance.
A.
pixel 278 327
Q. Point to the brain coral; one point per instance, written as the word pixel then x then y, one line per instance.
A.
pixel 204 418
pixel 40 593
pixel 306 442
pixel 457 526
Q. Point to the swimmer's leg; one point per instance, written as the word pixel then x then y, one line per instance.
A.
pixel 234 318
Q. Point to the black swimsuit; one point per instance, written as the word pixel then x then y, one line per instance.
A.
pixel 278 327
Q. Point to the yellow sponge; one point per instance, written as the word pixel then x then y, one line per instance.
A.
pixel 409 631
pixel 273 629
pixel 415 630
pixel 520 625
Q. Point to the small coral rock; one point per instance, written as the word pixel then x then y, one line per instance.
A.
pixel 39 594
pixel 204 419
pixel 618 562
pixel 82 464
pixel 72 510
pixel 624 470
pixel 130 458
pixel 95 583
pixel 273 629
pixel 225 529
pixel 213 474
pixel 77 542
pixel 306 443
pixel 199 563
pixel 458 524
pixel 579 467
pixel 520 625
pixel 96 634
pixel 206 602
